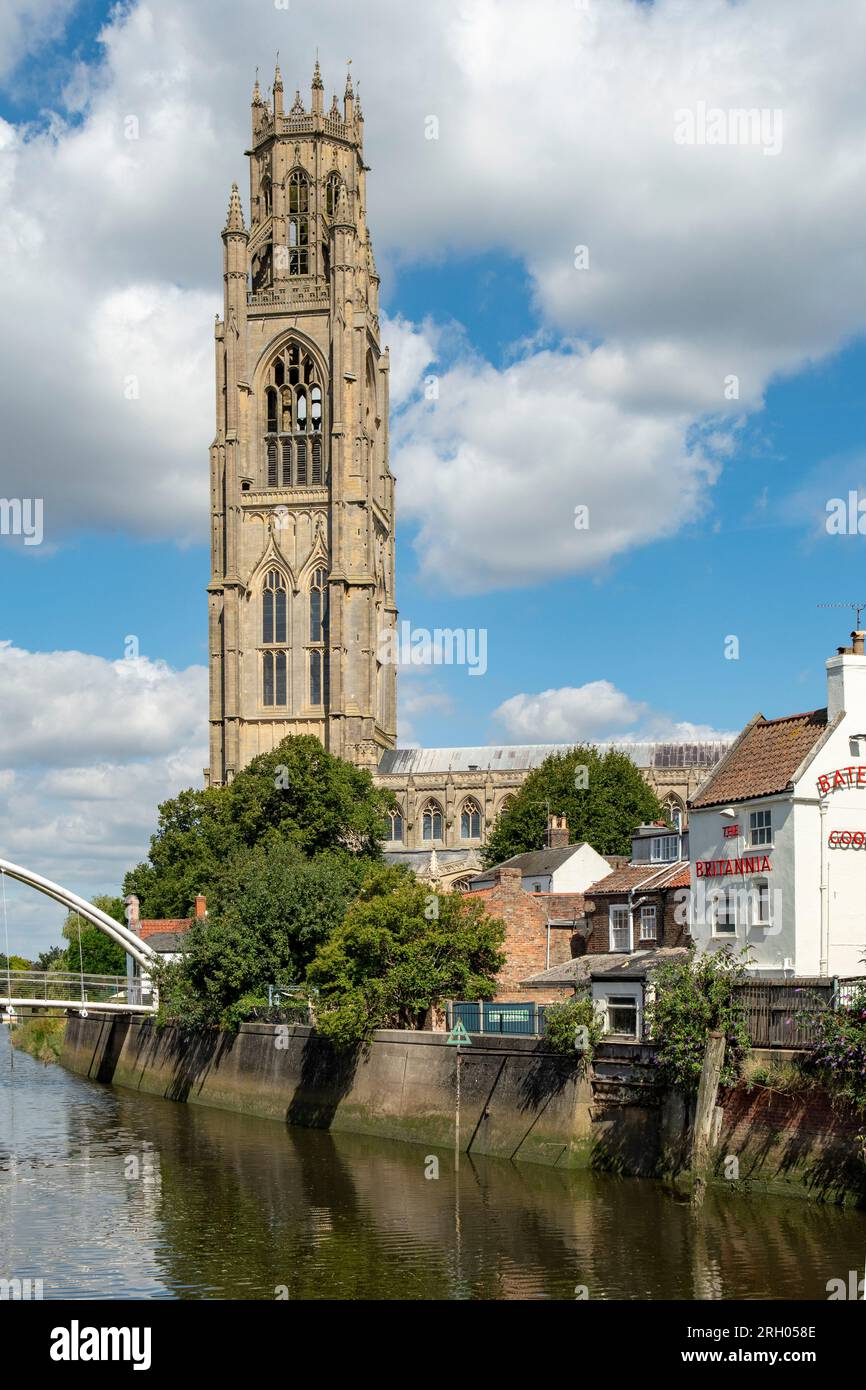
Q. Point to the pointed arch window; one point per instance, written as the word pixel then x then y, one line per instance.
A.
pixel 318 637
pixel 274 635
pixel 332 194
pixel 294 411
pixel 431 821
pixel 395 819
pixel 274 609
pixel 299 223
pixel 470 820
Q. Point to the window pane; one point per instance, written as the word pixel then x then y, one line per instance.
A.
pixel 281 679
pixel 268 678
pixel 315 678
pixel 280 625
pixel 268 615
pixel 315 615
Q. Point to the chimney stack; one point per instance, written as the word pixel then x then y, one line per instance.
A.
pixel 132 914
pixel 557 832
pixel 200 905
pixel 846 680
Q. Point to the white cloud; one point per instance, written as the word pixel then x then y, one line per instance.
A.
pixel 26 24
pixel 89 747
pixel 597 711
pixel 555 130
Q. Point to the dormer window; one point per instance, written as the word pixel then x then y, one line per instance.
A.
pixel 664 849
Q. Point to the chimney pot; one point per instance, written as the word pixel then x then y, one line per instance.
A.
pixel 557 832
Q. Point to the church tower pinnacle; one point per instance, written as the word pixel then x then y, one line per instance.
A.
pixel 301 598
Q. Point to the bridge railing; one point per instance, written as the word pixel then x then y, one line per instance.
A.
pixel 59 984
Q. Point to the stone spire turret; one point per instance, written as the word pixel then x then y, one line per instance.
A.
pixel 278 91
pixel 318 91
pixel 235 218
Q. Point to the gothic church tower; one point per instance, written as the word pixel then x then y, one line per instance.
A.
pixel 302 497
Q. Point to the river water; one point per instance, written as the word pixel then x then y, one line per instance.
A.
pixel 105 1193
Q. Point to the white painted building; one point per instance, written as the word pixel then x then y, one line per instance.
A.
pixel 778 836
pixel 558 868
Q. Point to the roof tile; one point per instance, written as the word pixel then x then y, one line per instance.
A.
pixel 764 760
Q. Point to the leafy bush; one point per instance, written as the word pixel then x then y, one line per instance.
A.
pixel 573 1027
pixel 693 998
pixel 839 1055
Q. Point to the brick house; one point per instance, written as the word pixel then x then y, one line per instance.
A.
pixel 634 918
pixel 542 930
pixel 163 935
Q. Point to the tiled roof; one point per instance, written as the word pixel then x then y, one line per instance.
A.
pixel 764 758
pixel 155 926
pixel 648 877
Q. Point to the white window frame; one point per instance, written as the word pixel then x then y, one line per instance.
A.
pixel 649 913
pixel 614 909
pixel 761 826
pixel 760 890
pixel 624 1001
pixel 724 896
pixel 658 854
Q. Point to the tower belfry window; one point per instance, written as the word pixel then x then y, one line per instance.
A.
pixel 299 223
pixel 294 421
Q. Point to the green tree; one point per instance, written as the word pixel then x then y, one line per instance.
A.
pixel 279 906
pixel 400 950
pixel 603 797
pixel 692 998
pixel 297 793
pixel 573 1027
pixel 99 954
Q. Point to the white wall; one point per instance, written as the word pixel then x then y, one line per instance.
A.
pixel 769 946
pixel 582 868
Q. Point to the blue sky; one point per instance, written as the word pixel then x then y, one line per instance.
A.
pixel 706 262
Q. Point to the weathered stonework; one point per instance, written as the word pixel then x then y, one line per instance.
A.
pixel 302 498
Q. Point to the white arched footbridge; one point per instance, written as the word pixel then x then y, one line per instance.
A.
pixel 132 944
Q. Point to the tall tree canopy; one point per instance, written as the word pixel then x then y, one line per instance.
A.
pixel 298 794
pixel 603 797
pixel 399 950
pixel 98 954
pixel 278 907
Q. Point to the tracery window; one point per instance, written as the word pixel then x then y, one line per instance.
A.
pixel 294 421
pixel 431 821
pixel 299 223
pixel 274 635
pixel 470 820
pixel 332 194
pixel 395 818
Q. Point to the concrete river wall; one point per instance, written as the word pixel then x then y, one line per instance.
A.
pixel 517 1100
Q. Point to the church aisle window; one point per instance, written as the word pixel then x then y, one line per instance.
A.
pixel 431 821
pixel 470 820
pixel 395 818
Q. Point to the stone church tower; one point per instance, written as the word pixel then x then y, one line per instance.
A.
pixel 302 498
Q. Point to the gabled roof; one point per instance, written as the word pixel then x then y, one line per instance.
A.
pixel 646 877
pixel 532 861
pixel 765 758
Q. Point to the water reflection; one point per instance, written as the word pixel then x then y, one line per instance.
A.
pixel 106 1193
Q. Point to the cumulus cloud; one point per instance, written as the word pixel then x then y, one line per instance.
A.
pixel 596 712
pixel 555 131
pixel 25 25
pixel 89 747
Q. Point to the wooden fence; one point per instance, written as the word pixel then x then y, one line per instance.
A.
pixel 777 1011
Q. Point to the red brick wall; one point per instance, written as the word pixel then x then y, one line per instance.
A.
pixel 525 916
pixel 674 933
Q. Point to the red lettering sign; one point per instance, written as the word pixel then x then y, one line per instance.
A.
pixel 730 831
pixel 721 868
pixel 840 778
pixel 847 839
